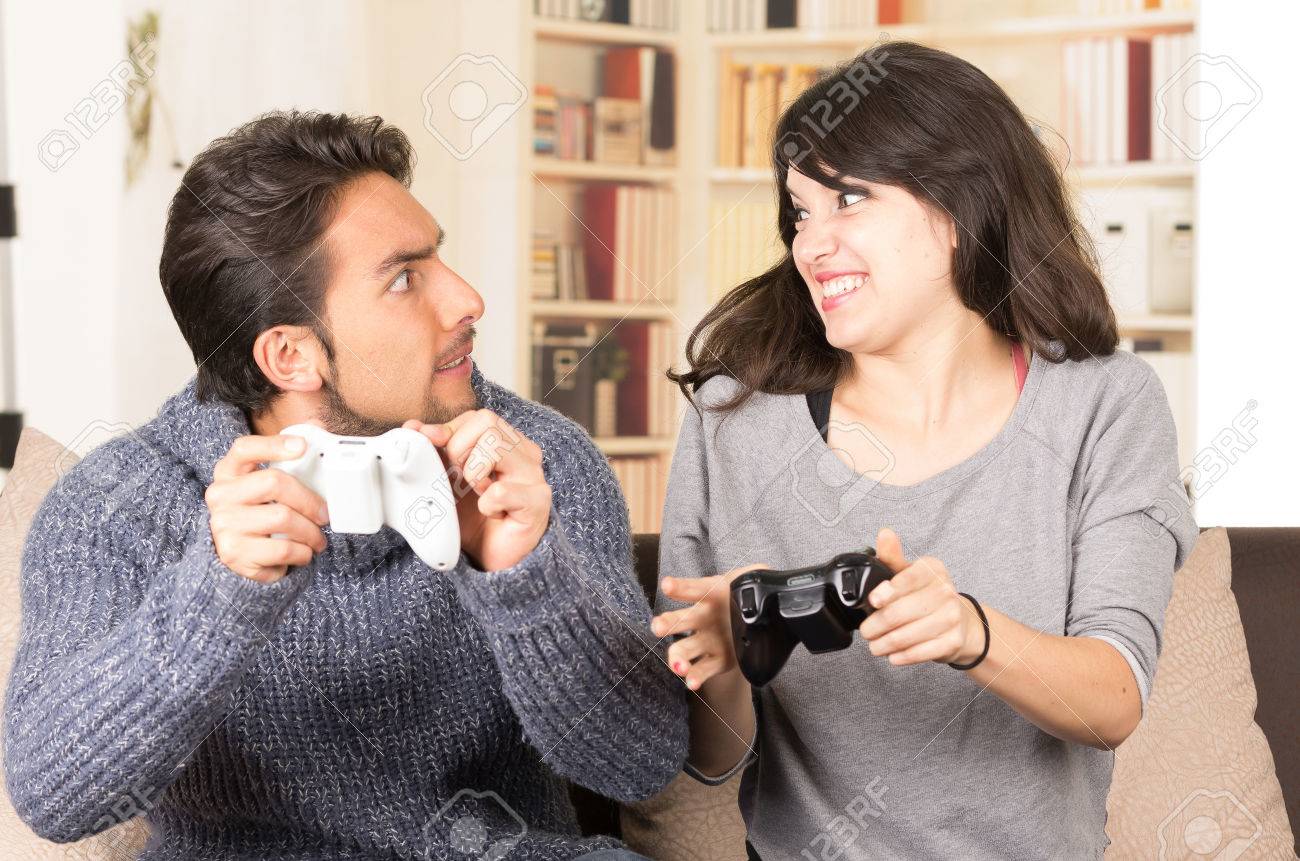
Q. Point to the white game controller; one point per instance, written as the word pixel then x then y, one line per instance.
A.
pixel 396 478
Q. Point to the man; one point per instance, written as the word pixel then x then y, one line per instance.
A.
pixel 199 644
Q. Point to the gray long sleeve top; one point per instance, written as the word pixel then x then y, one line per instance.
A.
pixel 1071 520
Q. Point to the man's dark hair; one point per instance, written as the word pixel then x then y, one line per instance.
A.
pixel 240 254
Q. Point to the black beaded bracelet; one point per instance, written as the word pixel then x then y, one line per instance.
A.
pixel 983 619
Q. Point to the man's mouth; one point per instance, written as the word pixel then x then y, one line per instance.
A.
pixel 453 364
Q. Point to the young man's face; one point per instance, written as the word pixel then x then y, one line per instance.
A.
pixel 396 314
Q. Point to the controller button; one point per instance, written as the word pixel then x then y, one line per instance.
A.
pixel 748 601
pixel 850 580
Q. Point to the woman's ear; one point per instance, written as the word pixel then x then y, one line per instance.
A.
pixel 291 357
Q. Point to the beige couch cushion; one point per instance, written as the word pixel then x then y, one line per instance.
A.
pixel 1196 779
pixel 687 821
pixel 34 473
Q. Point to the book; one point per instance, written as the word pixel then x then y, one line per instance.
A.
pixel 616 131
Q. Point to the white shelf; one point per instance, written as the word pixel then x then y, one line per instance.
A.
pixel 603 33
pixel 1158 323
pixel 1137 171
pixel 1042 27
pixel 740 175
pixel 616 445
pixel 558 168
pixel 648 309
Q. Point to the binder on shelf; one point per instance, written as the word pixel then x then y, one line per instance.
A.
pixel 1117 221
pixel 561 379
pixel 1172 247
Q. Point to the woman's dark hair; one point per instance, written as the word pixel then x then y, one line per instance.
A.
pixel 904 115
pixel 240 254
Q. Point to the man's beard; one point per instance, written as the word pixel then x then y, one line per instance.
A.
pixel 339 418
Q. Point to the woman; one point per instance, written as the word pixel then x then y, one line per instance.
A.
pixel 931 369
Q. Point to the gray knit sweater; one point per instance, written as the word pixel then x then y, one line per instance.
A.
pixel 365 706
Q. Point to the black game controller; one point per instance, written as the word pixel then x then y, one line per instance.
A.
pixel 821 607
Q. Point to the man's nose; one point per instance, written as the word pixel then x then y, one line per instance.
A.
pixel 459 304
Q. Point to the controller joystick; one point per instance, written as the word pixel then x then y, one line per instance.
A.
pixel 820 606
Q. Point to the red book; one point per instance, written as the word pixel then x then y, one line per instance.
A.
pixel 634 390
pixel 622 73
pixel 598 242
pixel 889 12
pixel 1139 100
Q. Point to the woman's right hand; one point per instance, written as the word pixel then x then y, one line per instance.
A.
pixel 707 651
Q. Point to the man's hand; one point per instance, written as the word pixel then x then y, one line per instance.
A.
pixel 503 502
pixel 247 505
pixel 919 616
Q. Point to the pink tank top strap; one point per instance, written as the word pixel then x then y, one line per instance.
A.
pixel 1021 366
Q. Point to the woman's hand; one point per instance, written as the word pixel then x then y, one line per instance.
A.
pixel 707 651
pixel 919 616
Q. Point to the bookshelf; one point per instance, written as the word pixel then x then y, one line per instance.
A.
pixel 561 195
pixel 722 213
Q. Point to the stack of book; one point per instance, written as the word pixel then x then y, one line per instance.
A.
pixel 566 369
pixel 655 14
pixel 646 398
pixel 744 243
pixel 561 124
pixel 1112 90
pixel 630 120
pixel 645 484
pixel 733 16
pixel 559 268
pixel 751 98
pixel 628 242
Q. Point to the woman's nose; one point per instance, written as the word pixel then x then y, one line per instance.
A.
pixel 814 242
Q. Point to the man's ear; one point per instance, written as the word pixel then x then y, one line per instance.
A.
pixel 291 357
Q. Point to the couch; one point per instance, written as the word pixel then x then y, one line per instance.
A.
pixel 1262 566
pixel 1228 640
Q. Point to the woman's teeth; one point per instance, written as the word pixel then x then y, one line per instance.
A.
pixel 451 365
pixel 841 285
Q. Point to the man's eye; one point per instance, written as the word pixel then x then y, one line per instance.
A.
pixel 849 198
pixel 401 283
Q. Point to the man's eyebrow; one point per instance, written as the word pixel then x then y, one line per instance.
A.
pixel 398 258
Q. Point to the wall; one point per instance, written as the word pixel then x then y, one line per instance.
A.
pixel 95 343
pixel 1248 300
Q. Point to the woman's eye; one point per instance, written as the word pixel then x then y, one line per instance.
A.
pixel 401 283
pixel 849 198
pixel 800 214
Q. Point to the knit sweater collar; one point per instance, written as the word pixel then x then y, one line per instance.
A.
pixel 201 432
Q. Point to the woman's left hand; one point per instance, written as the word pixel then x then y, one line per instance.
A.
pixel 919 616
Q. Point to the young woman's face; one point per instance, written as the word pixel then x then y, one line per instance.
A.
pixel 877 262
